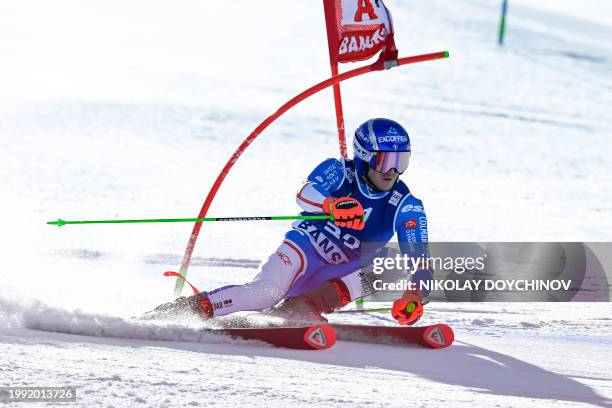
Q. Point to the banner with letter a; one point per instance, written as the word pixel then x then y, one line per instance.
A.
pixel 357 30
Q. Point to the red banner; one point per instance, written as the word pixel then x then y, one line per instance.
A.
pixel 358 30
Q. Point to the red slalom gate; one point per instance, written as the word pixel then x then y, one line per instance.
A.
pixel 377 66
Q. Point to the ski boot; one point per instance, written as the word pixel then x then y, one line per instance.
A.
pixel 307 308
pixel 196 304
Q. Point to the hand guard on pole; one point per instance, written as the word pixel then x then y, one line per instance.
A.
pixel 409 308
pixel 347 212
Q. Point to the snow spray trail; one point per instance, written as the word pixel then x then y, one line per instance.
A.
pixel 35 315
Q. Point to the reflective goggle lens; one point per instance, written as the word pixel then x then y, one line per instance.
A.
pixel 382 162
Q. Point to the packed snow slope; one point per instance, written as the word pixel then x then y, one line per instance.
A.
pixel 130 110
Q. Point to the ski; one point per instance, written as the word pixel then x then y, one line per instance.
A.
pixel 433 336
pixel 314 337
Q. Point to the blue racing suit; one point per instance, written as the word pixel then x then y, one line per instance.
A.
pixel 332 251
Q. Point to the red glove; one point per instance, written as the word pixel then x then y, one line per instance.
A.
pixel 347 212
pixel 409 309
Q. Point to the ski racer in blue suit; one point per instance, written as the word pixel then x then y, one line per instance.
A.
pixel 318 266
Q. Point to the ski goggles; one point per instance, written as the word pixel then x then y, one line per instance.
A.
pixel 382 162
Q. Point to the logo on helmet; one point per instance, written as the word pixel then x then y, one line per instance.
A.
pixel 393 138
pixel 361 152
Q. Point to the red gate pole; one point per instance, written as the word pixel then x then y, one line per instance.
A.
pixel 339 113
pixel 332 46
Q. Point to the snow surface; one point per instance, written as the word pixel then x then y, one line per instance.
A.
pixel 129 110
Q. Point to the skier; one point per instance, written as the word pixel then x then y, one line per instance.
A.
pixel 317 267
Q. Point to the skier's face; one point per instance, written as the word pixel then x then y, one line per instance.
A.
pixel 383 181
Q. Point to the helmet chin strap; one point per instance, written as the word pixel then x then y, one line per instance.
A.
pixel 369 183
